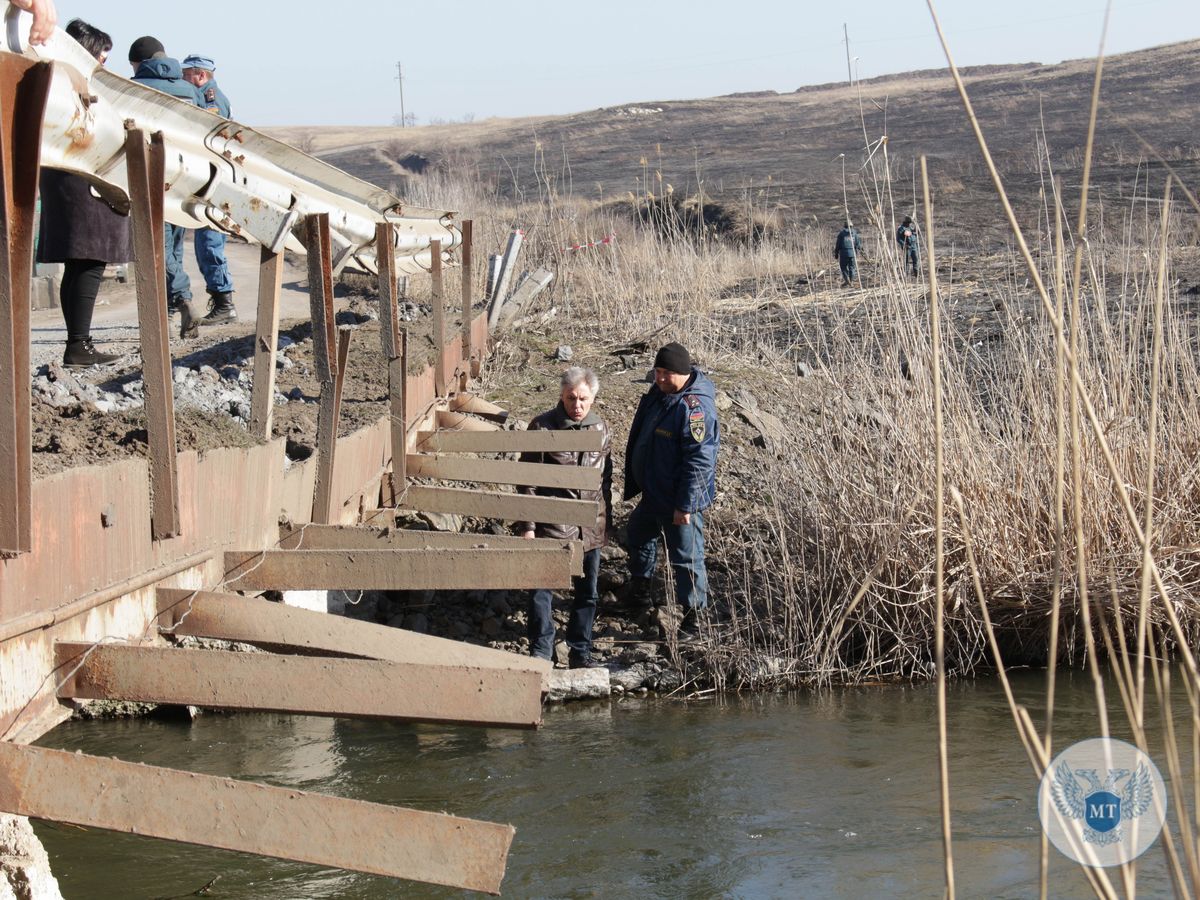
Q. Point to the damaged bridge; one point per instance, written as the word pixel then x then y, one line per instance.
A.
pixel 99 566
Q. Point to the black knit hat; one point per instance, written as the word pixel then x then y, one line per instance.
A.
pixel 674 358
pixel 144 48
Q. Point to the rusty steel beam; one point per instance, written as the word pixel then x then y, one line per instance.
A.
pixel 366 537
pixel 438 301
pixel 266 343
pixel 468 303
pixel 286 629
pixel 510 441
pixel 253 818
pixel 305 685
pixel 394 570
pixel 456 421
pixel 146 173
pixel 499 471
pixel 24 86
pixel 395 352
pixel 320 301
pixel 497 505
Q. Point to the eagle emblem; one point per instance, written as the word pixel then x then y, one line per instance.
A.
pixel 1102 805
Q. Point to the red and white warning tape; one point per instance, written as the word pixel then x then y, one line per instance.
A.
pixel 607 239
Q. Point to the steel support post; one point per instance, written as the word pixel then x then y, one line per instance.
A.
pixel 439 319
pixel 395 352
pixel 252 818
pixel 468 301
pixel 266 343
pixel 146 173
pixel 23 89
pixel 320 299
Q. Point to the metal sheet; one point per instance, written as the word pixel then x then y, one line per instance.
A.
pixel 496 505
pixel 266 343
pixel 286 629
pixel 467 251
pixel 391 570
pixel 308 685
pixel 510 441
pixel 499 471
pixel 145 175
pixel 253 818
pixel 23 90
pixel 365 537
pixel 457 421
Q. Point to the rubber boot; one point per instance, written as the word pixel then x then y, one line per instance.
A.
pixel 220 309
pixel 83 353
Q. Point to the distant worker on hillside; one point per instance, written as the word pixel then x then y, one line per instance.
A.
pixel 153 68
pixel 671 461
pixel 574 413
pixel 199 71
pixel 907 238
pixel 845 250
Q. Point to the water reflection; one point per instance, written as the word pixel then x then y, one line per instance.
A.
pixel 830 794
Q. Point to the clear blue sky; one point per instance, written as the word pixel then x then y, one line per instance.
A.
pixel 331 63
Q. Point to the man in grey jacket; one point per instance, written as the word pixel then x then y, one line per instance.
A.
pixel 574 411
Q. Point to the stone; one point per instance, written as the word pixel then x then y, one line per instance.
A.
pixel 579 684
pixel 633 677
pixel 722 401
pixel 803 369
pixel 499 605
pixel 417 622
pixel 490 627
pixel 24 866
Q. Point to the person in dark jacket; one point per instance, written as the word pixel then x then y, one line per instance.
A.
pixel 153 68
pixel 199 71
pixel 845 250
pixel 81 231
pixel 906 237
pixel 671 462
pixel 573 412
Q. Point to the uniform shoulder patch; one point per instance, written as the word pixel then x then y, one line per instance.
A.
pixel 692 401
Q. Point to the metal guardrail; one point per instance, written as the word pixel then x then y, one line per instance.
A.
pixel 219 173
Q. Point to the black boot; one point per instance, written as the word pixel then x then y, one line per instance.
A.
pixel 220 309
pixel 83 353
pixel 639 593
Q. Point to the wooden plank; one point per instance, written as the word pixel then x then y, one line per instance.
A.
pixel 320 301
pixel 23 88
pixel 496 505
pixel 305 685
pixel 367 537
pixel 253 818
pixel 394 570
pixel 286 629
pixel 497 471
pixel 438 302
pixel 542 441
pixel 266 343
pixel 145 175
pixel 468 302
pixel 456 421
pixel 385 259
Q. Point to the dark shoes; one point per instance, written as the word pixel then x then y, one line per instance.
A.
pixel 639 593
pixel 578 662
pixel 220 309
pixel 81 354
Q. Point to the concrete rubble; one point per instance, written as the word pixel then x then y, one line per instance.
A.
pixel 24 866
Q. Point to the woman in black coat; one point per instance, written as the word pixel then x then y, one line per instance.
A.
pixel 81 231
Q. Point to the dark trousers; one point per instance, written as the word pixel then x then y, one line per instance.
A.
pixel 179 286
pixel 849 266
pixel 583 614
pixel 77 294
pixel 210 256
pixel 685 552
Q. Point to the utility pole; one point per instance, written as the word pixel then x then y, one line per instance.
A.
pixel 400 78
pixel 846 39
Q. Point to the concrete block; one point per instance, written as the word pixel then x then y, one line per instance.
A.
pixel 43 292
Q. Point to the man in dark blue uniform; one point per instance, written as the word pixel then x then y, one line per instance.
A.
pixel 671 461
pixel 906 237
pixel 200 71
pixel 153 68
pixel 845 250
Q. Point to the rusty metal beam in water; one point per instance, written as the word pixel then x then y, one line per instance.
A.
pixel 24 87
pixel 305 685
pixel 397 570
pixel 286 629
pixel 253 818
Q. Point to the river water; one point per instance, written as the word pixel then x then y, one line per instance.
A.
pixel 829 794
